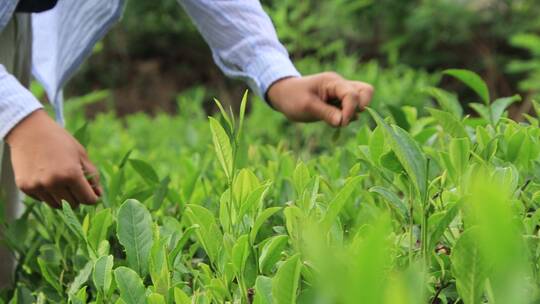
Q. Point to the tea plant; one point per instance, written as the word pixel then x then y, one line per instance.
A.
pixel 437 208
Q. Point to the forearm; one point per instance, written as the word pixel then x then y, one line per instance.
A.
pixel 16 102
pixel 243 41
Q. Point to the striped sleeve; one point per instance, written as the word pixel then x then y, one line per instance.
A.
pixel 243 41
pixel 16 102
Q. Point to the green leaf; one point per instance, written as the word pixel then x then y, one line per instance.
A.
pixel 376 145
pixel 469 269
pixel 48 275
pixel 222 146
pixel 390 161
pixel 99 227
pixel 159 268
pixel 145 170
pixel 448 102
pixel 160 193
pixel 271 252
pixel 245 182
pixel 79 297
pixel 399 116
pixel 71 220
pixel 180 297
pixel 155 298
pixel 240 254
pixel 499 106
pixel 482 110
pixel 208 234
pixel 82 135
pixel 134 230
pixel 286 281
pixel 408 152
pixel 438 223
pixel 449 122
pixel 185 237
pixel 102 275
pixel 527 41
pixel 243 105
pixel 263 290
pixel 473 81
pixel 131 288
pixel 459 154
pixel 395 202
pixel 267 213
pixel 301 178
pixel 225 115
pixel 80 279
pixel 337 203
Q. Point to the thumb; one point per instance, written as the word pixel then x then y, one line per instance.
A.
pixel 323 111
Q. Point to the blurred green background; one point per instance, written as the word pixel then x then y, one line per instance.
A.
pixel 156 53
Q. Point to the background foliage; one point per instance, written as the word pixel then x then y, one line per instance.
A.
pixel 156 45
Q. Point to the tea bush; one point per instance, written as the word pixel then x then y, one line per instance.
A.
pixel 405 207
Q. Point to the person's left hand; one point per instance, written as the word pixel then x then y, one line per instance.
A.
pixel 308 98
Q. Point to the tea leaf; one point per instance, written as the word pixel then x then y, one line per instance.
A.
pixel 263 290
pixel 473 81
pixel 80 279
pixel 408 153
pixel 337 203
pixel 71 220
pixel 260 220
pixel 395 202
pixel 180 297
pixel 131 288
pixel 99 227
pixel 469 269
pixel 271 252
pixel 285 283
pixel 208 233
pixel 240 254
pixel 102 276
pixel 449 123
pixel 222 146
pixel 134 230
pixel 499 106
pixel 145 170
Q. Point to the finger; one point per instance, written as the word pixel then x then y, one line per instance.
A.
pixel 349 105
pixel 65 194
pixel 365 91
pixel 347 93
pixel 92 175
pixel 326 112
pixel 49 199
pixel 82 191
pixel 34 195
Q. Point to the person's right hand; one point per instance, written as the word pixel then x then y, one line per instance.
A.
pixel 49 164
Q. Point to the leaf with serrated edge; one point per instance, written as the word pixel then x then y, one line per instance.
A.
pixel 131 287
pixel 408 152
pixel 134 230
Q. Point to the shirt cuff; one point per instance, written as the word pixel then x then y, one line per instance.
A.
pixel 16 102
pixel 268 68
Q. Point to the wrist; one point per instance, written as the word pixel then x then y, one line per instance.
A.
pixel 26 126
pixel 276 90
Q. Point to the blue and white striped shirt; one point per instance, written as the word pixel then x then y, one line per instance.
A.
pixel 241 35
